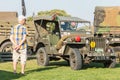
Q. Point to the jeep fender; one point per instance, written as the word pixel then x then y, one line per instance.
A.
pixel 68 46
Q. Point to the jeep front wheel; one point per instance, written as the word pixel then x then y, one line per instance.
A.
pixel 75 59
pixel 42 57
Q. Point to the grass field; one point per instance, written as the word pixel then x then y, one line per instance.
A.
pixel 59 70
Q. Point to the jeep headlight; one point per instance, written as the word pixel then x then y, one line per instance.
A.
pixel 107 41
pixel 87 41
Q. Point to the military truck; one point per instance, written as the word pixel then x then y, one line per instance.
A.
pixel 71 39
pixel 107 23
pixel 7 20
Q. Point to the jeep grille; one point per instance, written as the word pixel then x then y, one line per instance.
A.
pixel 96 43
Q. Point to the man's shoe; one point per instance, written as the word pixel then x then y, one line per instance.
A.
pixel 14 72
pixel 22 74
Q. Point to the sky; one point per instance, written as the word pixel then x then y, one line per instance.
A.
pixel 78 8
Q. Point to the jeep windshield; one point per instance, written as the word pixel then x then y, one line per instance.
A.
pixel 73 26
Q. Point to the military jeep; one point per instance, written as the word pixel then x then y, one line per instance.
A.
pixel 71 39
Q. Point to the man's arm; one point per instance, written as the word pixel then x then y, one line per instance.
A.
pixel 11 36
pixel 12 40
pixel 23 40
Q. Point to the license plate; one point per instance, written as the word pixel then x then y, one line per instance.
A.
pixel 99 50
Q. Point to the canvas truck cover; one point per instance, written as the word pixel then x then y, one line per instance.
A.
pixel 8 17
pixel 61 18
pixel 107 19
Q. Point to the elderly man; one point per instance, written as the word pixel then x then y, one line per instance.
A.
pixel 18 39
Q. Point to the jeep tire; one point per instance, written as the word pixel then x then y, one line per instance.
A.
pixel 42 57
pixel 6 46
pixel 75 59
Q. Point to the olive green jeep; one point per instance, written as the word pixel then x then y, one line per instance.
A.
pixel 71 39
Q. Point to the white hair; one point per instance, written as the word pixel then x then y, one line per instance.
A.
pixel 21 17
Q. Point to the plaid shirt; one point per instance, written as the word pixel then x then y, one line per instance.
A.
pixel 18 32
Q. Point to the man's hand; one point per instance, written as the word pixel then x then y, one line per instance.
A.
pixel 17 47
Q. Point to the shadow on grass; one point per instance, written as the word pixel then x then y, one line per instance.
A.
pixel 6 75
pixel 85 66
pixel 59 63
pixel 52 65
pixel 93 65
pixel 40 69
pixel 117 65
pixel 98 65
